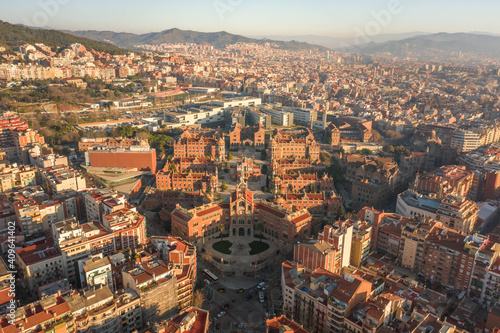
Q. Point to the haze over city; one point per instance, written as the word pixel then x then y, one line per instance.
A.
pixel 257 18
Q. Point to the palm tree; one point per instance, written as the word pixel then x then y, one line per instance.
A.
pixel 221 228
pixel 260 227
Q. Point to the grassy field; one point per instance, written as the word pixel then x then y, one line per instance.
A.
pixel 223 246
pixel 257 247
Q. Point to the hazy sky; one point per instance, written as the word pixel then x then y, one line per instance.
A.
pixel 334 18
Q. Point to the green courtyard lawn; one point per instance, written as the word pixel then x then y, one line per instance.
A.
pixel 257 247
pixel 223 246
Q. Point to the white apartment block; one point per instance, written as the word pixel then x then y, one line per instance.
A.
pixel 465 140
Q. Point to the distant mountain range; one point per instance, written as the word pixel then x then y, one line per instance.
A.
pixel 218 39
pixel 337 42
pixel 439 46
pixel 12 36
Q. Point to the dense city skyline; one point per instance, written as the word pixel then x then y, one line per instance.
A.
pixel 179 181
pixel 258 18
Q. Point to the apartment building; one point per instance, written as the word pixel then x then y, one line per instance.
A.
pixel 361 243
pixel 156 286
pixel 70 240
pixel 49 314
pixel 339 236
pixel 94 310
pixel 40 264
pixel 49 160
pixel 128 228
pixel 321 300
pixel 96 272
pixel 99 202
pixel 59 178
pixel 313 253
pixel 13 176
pixel 446 259
pixel 458 213
pixel 465 141
pixel 179 256
pixel 413 239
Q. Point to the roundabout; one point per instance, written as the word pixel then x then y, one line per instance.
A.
pixel 240 256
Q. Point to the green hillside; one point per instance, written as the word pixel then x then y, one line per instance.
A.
pixel 12 36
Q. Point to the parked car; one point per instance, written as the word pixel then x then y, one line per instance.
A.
pixel 261 285
pixel 249 297
pixel 265 287
pixel 261 296
pixel 222 290
pixel 240 290
pixel 226 306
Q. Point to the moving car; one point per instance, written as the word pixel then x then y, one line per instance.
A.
pixel 240 290
pixel 221 314
pixel 222 290
pixel 226 306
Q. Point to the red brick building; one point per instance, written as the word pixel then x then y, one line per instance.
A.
pixel 318 204
pixel 240 136
pixel 239 217
pixel 169 199
pixel 283 166
pixel 200 143
pixel 446 180
pixel 299 182
pixel 349 129
pixel 245 169
pixel 141 157
pixel 191 181
pixel 293 145
pixel 194 164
